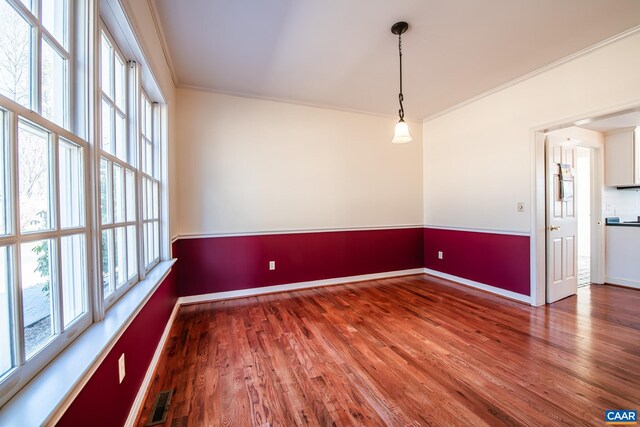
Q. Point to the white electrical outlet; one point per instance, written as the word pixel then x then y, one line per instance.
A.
pixel 440 255
pixel 520 206
pixel 272 265
pixel 121 371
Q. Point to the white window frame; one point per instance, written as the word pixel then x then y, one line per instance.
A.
pixel 153 140
pixel 24 370
pixel 40 35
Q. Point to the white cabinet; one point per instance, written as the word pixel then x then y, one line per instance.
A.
pixel 622 248
pixel 622 158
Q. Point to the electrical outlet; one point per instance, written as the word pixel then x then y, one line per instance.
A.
pixel 272 265
pixel 520 206
pixel 121 371
pixel 440 255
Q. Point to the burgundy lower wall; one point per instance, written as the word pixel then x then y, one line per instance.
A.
pixel 499 260
pixel 104 402
pixel 231 263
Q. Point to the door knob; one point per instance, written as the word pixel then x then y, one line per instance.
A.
pixel 553 228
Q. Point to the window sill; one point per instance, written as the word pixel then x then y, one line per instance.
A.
pixel 52 390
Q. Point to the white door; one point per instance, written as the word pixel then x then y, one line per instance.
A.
pixel 562 224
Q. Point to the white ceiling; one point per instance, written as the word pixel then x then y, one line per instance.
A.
pixel 341 53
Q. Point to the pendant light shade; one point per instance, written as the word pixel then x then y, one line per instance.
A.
pixel 401 135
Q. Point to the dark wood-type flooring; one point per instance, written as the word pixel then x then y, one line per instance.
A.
pixel 413 350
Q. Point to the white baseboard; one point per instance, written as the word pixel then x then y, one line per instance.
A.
pixel 217 296
pixel 142 391
pixel 478 285
pixel 622 282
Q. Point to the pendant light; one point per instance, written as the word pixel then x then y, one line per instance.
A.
pixel 402 130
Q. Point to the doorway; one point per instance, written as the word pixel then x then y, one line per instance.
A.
pixel 583 208
pixel 573 231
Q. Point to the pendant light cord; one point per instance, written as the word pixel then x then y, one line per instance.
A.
pixel 400 96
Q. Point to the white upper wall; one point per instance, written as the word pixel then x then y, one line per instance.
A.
pixel 478 158
pixel 250 165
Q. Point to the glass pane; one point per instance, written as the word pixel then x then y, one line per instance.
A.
pixel 148 120
pixel 155 201
pixel 148 250
pixel 15 56
pixel 34 178
pixel 143 114
pixel 54 19
pixel 148 158
pixel 121 256
pixel 54 85
pixel 121 89
pixel 107 126
pixel 144 198
pixel 74 277
pixel 105 191
pixel 37 285
pixel 131 196
pixel 121 137
pixel 106 53
pixel 107 262
pixel 156 239
pixel 71 185
pixel 6 361
pixel 132 255
pixel 4 181
pixel 118 194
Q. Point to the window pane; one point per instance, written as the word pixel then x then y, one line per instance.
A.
pixel 36 294
pixel 120 88
pixel 148 251
pixel 105 191
pixel 107 262
pixel 144 198
pixel 118 194
pixel 6 361
pixel 54 19
pixel 106 53
pixel 131 196
pixel 121 256
pixel 156 240
pixel 34 178
pixel 132 256
pixel 71 185
pixel 121 137
pixel 155 201
pixel 15 55
pixel 74 277
pixel 148 120
pixel 107 126
pixel 4 181
pixel 148 158
pixel 54 85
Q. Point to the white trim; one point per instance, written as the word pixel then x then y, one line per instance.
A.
pixel 622 282
pixel 142 391
pixel 163 41
pixel 46 398
pixel 293 231
pixel 478 285
pixel 218 296
pixel 480 230
pixel 628 33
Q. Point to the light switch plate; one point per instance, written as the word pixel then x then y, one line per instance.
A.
pixel 272 265
pixel 121 371
pixel 520 206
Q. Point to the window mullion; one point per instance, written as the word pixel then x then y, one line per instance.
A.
pixel 55 268
pixel 36 72
pixel 16 280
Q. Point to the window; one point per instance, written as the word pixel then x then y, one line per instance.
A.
pixel 35 56
pixel 79 219
pixel 118 221
pixel 150 184
pixel 43 259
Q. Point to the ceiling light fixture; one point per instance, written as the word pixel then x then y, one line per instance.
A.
pixel 402 130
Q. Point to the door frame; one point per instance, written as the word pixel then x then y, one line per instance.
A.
pixel 537 241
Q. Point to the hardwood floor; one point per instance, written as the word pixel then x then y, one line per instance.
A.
pixel 414 350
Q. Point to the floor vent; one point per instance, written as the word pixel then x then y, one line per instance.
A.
pixel 160 408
